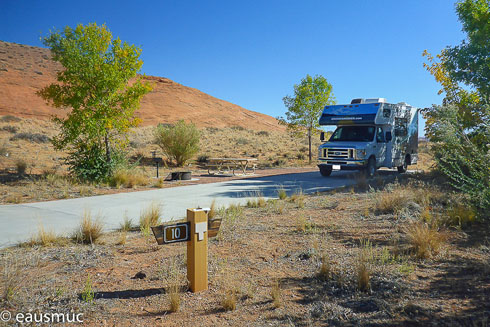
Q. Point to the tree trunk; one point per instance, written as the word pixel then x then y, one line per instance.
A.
pixel 107 147
pixel 309 144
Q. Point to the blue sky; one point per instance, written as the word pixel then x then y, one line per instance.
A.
pixel 251 53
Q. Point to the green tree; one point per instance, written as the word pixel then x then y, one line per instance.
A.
pixel 179 142
pixel 95 85
pixel 460 128
pixel 311 95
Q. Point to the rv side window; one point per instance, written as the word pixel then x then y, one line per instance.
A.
pixel 380 137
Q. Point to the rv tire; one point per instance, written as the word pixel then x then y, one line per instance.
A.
pixel 402 169
pixel 370 169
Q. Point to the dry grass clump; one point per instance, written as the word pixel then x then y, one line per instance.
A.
pixel 128 178
pixel 276 294
pixel 299 198
pixel 212 210
pixel 175 281
pixel 363 267
pixel 11 278
pixel 127 224
pixel 90 230
pixel 302 224
pixel 281 193
pixel 46 238
pixel 424 239
pixel 325 268
pixel 459 215
pixel 394 201
pixel 256 203
pixel 150 216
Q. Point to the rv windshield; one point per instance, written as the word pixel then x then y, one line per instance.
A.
pixel 353 133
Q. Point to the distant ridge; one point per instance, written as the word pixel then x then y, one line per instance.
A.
pixel 25 69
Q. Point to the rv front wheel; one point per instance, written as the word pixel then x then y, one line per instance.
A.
pixel 402 169
pixel 325 170
pixel 371 167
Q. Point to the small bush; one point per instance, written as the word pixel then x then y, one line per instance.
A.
pixel 21 166
pixel 90 230
pixel 32 137
pixel 10 119
pixel 10 129
pixel 179 143
pixel 279 162
pixel 263 133
pixel 89 163
pixel 150 216
pixel 88 295
pixel 242 141
pixel 425 240
pixel 300 156
pixel 237 128
pixel 3 149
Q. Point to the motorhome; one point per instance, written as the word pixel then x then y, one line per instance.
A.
pixel 370 134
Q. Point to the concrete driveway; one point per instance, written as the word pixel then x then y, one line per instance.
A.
pixel 19 222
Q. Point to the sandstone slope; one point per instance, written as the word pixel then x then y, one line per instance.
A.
pixel 26 69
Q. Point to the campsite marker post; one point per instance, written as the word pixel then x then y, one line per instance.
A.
pixel 195 232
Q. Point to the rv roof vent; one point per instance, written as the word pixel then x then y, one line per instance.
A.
pixel 359 100
pixel 375 100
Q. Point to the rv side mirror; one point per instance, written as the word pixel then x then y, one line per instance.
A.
pixel 322 136
pixel 388 137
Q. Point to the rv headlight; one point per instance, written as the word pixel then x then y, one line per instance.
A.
pixel 360 153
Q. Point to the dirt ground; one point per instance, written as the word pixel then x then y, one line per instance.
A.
pixel 277 247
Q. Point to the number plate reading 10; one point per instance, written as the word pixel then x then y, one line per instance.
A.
pixel 176 233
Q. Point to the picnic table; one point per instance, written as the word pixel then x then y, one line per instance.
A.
pixel 231 164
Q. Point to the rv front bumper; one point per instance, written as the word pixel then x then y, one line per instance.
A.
pixel 344 164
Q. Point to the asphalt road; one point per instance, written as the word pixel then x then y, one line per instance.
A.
pixel 19 222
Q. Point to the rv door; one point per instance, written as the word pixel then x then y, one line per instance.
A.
pixel 380 146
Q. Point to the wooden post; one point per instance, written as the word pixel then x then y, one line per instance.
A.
pixel 197 250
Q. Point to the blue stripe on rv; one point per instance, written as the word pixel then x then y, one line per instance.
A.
pixel 349 114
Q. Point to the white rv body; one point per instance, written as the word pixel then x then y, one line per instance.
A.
pixel 370 134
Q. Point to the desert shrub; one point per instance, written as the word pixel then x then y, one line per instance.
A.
pixel 242 141
pixel 363 266
pixel 263 133
pixel 10 129
pixel 10 119
pixel 279 162
pixel 3 149
pixel 300 156
pixel 90 229
pixel 32 137
pixel 462 154
pixel 21 166
pixel 424 239
pixel 325 268
pixel 89 163
pixel 179 143
pixel 237 128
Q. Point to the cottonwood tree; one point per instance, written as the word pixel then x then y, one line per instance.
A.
pixel 95 86
pixel 305 107
pixel 460 128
